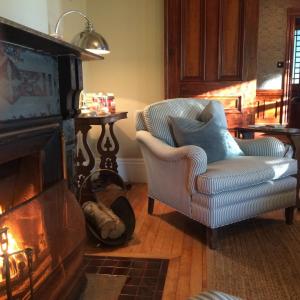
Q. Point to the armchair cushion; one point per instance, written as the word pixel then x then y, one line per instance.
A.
pixel 156 115
pixel 243 171
pixel 266 146
pixel 210 133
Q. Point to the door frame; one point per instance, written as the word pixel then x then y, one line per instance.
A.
pixel 292 14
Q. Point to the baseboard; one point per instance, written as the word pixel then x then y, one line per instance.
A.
pixel 132 170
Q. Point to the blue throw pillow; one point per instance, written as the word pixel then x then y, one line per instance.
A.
pixel 214 109
pixel 215 140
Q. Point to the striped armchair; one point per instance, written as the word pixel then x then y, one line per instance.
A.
pixel 218 193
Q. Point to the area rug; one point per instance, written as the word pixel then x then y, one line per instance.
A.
pixel 103 287
pixel 145 277
pixel 257 259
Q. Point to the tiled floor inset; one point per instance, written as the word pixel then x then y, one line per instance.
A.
pixel 146 276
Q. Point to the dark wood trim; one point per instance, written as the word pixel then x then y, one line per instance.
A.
pixel 293 11
pixel 291 16
pixel 101 119
pixel 12 125
pixel 270 93
pixel 18 34
pixel 289 215
pixel 150 205
pixel 194 89
pixel 172 43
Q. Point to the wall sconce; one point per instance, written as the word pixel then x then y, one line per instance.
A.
pixel 88 39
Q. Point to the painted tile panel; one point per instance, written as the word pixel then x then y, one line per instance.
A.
pixel 28 83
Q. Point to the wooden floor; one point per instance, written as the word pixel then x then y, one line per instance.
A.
pixel 166 234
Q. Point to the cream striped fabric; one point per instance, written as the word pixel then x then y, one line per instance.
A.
pixel 267 146
pixel 214 295
pixel 163 156
pixel 156 115
pixel 139 121
pixel 247 194
pixel 243 171
pixel 229 214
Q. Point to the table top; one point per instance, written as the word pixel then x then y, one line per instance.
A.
pixel 270 129
pixel 102 119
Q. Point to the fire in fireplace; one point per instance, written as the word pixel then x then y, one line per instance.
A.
pixel 41 221
pixel 15 261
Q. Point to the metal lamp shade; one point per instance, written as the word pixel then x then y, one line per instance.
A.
pixel 91 41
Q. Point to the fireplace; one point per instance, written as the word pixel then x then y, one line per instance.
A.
pixel 38 211
pixel 42 229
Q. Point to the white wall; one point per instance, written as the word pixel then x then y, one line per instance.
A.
pixel 31 13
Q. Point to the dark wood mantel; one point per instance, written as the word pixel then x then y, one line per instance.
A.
pixel 27 37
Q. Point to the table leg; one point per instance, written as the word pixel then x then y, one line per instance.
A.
pixel 109 149
pixel 82 169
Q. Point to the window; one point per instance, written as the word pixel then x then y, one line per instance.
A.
pixel 296 64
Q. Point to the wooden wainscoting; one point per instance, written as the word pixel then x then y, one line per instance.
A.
pixel 269 106
pixel 211 48
pixel 236 115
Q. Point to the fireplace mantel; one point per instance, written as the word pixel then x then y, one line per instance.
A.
pixel 27 37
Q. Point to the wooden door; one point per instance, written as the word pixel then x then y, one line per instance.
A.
pixel 210 52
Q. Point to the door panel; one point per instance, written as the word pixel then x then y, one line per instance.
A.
pixel 231 43
pixel 210 49
pixel 193 38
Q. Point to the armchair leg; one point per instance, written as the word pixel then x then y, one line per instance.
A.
pixel 150 205
pixel 289 215
pixel 212 238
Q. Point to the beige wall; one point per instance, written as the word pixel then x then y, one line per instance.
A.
pixel 134 69
pixel 31 13
pixel 271 41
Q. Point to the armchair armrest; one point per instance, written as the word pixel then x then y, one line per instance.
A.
pixel 164 161
pixel 267 146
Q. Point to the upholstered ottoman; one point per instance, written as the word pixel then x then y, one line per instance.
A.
pixel 214 295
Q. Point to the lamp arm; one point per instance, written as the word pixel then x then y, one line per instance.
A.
pixel 89 24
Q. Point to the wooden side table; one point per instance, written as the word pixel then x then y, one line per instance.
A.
pixel 107 145
pixel 293 137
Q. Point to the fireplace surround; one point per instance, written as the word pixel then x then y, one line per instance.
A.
pixel 40 82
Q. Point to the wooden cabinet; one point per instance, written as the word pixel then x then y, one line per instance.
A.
pixel 211 49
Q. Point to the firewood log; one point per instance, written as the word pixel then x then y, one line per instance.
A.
pixel 119 228
pixel 109 194
pixel 104 224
